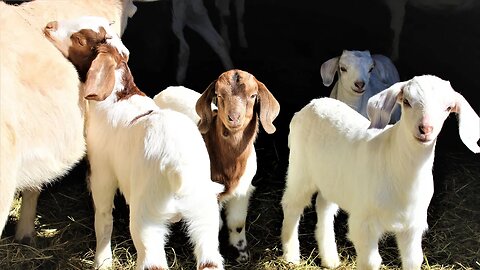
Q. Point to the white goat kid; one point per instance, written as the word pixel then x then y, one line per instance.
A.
pixel 388 184
pixel 156 158
pixel 360 76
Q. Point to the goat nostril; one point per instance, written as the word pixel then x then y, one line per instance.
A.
pixel 425 130
pixel 52 25
pixel 360 84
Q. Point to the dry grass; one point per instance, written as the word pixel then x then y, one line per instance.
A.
pixel 66 238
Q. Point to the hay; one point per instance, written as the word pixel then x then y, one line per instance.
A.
pixel 66 238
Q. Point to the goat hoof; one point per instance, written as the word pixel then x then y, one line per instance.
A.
pixel 27 240
pixel 242 257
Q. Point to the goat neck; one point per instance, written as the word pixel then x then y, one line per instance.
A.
pixel 229 152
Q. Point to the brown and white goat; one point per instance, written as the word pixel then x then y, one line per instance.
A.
pixel 229 133
pixel 156 158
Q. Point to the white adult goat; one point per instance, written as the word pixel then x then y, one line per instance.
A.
pixel 156 158
pixel 229 133
pixel 41 117
pixel 388 184
pixel 360 76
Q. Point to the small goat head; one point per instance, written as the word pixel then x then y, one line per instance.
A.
pixel 237 94
pixel 92 46
pixel 426 102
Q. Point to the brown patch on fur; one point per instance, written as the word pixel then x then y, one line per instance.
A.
pixel 229 154
pixel 140 116
pixel 129 86
pixel 84 49
pixel 207 265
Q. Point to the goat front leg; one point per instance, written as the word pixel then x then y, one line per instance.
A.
pixel 410 245
pixel 236 210
pixel 103 190
pixel 364 236
pixel 25 230
pixel 325 233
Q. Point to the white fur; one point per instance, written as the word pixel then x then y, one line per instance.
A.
pixel 41 117
pixel 159 162
pixel 354 68
pixel 387 184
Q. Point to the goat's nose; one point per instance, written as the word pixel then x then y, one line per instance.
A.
pixel 359 84
pixel 234 117
pixel 425 129
pixel 52 25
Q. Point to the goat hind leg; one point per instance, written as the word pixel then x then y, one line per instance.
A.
pixel 25 230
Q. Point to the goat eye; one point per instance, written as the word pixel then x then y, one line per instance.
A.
pixel 253 96
pixel 343 69
pixel 406 103
pixel 370 70
pixel 449 109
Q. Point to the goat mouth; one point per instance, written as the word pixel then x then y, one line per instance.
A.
pixel 423 139
pixel 358 91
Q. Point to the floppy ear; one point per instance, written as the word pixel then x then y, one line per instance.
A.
pixel 328 69
pixel 269 107
pixel 381 105
pixel 204 108
pixel 468 123
pixel 385 70
pixel 100 77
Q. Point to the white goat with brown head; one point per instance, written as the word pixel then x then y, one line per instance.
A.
pixel 229 130
pixel 156 158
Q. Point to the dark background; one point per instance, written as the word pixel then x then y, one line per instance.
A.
pixel 289 40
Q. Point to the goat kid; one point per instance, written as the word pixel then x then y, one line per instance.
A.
pixel 360 76
pixel 388 183
pixel 229 127
pixel 156 158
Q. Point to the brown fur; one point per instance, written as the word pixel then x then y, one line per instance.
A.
pixel 207 265
pixel 230 132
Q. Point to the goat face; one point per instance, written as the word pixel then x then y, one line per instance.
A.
pixel 426 102
pixel 236 94
pixel 354 69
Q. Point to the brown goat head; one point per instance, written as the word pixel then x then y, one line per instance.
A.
pixel 236 94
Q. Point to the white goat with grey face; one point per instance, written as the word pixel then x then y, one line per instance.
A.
pixel 389 188
pixel 360 76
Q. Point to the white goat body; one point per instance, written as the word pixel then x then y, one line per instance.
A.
pixel 231 149
pixel 156 158
pixel 388 183
pixel 360 76
pixel 41 117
